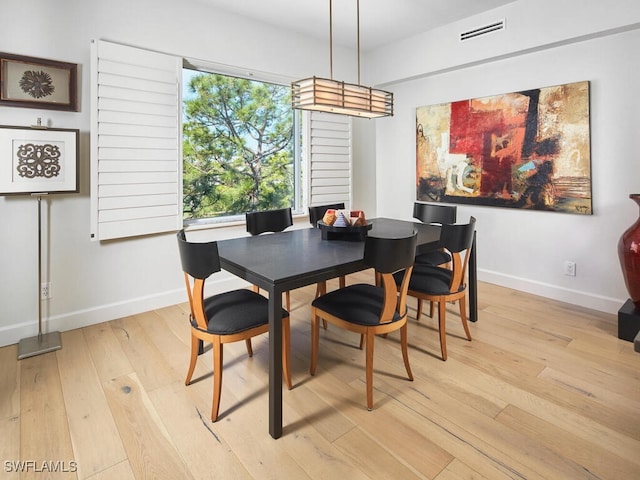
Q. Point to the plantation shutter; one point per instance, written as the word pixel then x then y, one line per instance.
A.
pixel 136 172
pixel 330 159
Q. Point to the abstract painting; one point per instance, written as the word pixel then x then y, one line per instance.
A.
pixel 528 149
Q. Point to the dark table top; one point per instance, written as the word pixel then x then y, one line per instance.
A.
pixel 283 261
pixel 296 258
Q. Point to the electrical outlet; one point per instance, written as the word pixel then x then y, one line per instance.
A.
pixel 45 291
pixel 570 268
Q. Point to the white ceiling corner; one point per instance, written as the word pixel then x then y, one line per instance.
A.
pixel 381 21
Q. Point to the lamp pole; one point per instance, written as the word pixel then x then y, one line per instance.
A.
pixel 47 342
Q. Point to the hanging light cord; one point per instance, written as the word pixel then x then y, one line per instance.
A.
pixel 328 95
pixel 358 19
pixel 330 39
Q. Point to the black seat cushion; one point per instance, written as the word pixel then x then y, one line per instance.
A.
pixel 360 304
pixel 236 311
pixel 429 279
pixel 436 257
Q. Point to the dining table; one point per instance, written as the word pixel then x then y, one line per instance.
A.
pixel 291 259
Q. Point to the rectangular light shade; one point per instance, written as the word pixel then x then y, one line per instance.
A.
pixel 325 95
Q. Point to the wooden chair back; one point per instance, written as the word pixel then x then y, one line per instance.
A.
pixel 199 262
pixel 388 256
pixel 457 239
pixel 431 213
pixel 268 221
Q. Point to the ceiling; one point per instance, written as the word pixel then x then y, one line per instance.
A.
pixel 381 21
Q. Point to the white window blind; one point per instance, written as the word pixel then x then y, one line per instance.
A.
pixel 136 169
pixel 330 159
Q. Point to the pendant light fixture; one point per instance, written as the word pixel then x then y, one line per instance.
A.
pixel 329 95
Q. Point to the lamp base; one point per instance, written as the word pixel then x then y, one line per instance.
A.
pixel 45 343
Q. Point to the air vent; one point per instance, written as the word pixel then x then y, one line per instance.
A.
pixel 476 32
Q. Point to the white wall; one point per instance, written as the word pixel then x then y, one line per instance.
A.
pixel 92 281
pixel 364 166
pixel 526 250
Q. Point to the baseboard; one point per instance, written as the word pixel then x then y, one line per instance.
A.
pixel 68 321
pixel 555 292
pixel 13 333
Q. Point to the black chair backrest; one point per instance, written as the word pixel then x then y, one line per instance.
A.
pixel 430 213
pixel 199 260
pixel 389 255
pixel 457 238
pixel 268 221
pixel 316 213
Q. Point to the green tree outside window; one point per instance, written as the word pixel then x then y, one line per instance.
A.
pixel 238 146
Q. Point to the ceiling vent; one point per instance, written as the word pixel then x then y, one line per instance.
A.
pixel 476 32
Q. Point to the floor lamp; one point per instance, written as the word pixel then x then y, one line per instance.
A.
pixel 43 342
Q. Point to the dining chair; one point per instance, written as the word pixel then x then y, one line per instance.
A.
pixel 441 285
pixel 270 221
pixel 370 310
pixel 438 214
pixel 223 318
pixel 434 214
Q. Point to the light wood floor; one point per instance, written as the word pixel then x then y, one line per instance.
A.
pixel 544 391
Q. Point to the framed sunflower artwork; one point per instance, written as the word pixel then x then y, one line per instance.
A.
pixel 38 83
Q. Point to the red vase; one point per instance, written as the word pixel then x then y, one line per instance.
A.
pixel 629 254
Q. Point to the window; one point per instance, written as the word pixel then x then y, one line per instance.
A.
pixel 137 149
pixel 239 147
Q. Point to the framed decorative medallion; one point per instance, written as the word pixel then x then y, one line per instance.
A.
pixel 38 83
pixel 36 160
